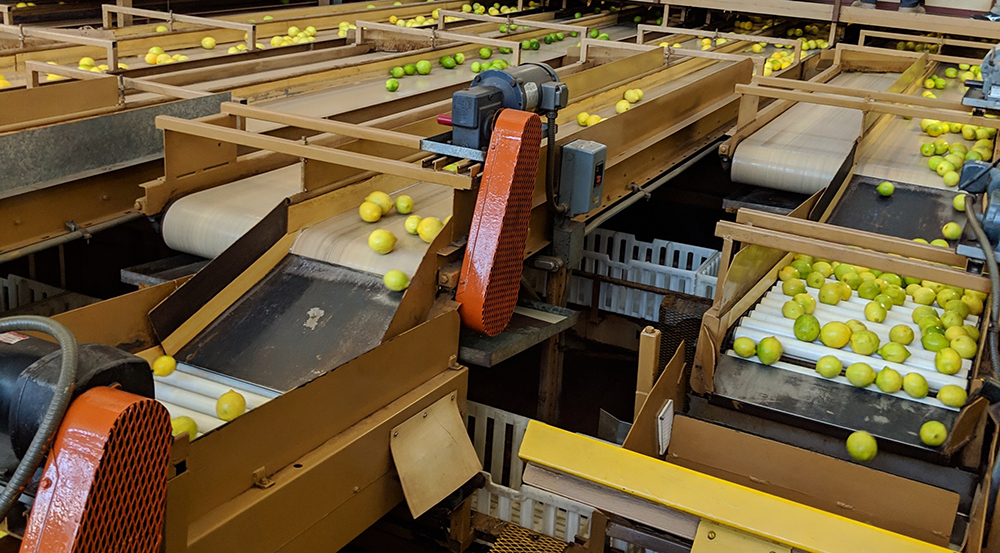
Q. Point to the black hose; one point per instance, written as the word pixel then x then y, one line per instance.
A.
pixel 551 167
pixel 991 266
pixel 57 407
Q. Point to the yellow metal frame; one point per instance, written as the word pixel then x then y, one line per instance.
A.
pixel 709 498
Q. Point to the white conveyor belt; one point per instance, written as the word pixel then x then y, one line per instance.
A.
pixel 802 149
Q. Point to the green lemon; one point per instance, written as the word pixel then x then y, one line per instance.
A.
pixel 933 433
pixel 792 310
pixel 807 328
pixel 861 446
pixel 894 352
pixel 934 342
pixel 860 375
pixel 830 293
pixel 769 350
pixel 744 347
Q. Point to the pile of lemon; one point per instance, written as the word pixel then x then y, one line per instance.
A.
pixel 629 97
pixel 947 159
pixel 945 332
pixel 377 205
pixel 295 35
pixel 495 9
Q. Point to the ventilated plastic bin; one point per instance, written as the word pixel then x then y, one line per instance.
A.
pixel 663 264
pixel 706 277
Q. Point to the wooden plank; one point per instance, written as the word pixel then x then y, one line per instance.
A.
pixel 643 437
pixel 850 254
pixel 843 235
pixel 58 100
pixel 324 125
pixel 649 365
pixel 329 155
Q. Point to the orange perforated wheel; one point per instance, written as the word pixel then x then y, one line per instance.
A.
pixel 104 488
pixel 494 256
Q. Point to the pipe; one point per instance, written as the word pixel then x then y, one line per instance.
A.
pixel 649 188
pixel 62 394
pixel 68 237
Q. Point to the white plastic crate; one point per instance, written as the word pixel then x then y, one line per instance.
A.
pixel 526 506
pixel 670 265
pixel 707 276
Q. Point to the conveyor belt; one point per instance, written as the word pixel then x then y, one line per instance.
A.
pixel 803 148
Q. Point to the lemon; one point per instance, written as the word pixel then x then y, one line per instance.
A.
pixel 933 433
pixel 370 212
pixel 788 272
pixel 807 328
pixel 901 334
pixel 894 352
pixel 830 293
pixel 861 446
pixel 924 296
pixel 965 346
pixel 915 385
pixel 164 365
pixel 869 289
pixel 957 307
pixel 89 62
pixel 947 361
pixel 593 120
pixel 951 318
pixel 952 396
pixel 973 304
pixel 404 204
pixel 884 300
pixel 951 231
pixel 769 350
pixel 835 334
pixel 815 279
pixel 744 347
pixel 381 241
pixel 428 228
pixel 208 43
pixel 382 199
pixel 911 288
pixel 581 118
pixel 852 279
pixel 807 302
pixel 932 341
pixel 803 266
pixel 793 286
pixel 875 312
pixel 845 291
pixel 164 58
pixel 823 268
pixel 889 381
pixel 856 326
pixel 184 425
pixel 622 106
pixel 829 366
pixel 230 405
pixel 955 332
pixel 865 342
pixel 972 331
pixel 397 281
pixel 631 96
pixel 792 310
pixel 885 189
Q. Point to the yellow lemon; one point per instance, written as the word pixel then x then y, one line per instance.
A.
pixel 952 395
pixel 428 228
pixel 835 334
pixel 184 425
pixel 370 212
pixel 744 347
pixel 862 446
pixel 581 118
pixel 208 43
pixel 397 281
pixel 230 405
pixel 411 224
pixel 164 365
pixel 381 241
pixel 382 199
pixel 404 204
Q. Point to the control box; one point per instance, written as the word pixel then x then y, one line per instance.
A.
pixel 581 180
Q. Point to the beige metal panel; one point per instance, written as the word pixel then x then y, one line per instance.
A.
pixel 802 149
pixel 343 240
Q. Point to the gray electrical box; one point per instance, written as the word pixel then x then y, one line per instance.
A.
pixel 582 178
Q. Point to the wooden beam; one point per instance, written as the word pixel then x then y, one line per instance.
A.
pixel 324 125
pixel 434 35
pixel 319 153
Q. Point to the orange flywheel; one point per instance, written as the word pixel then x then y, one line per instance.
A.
pixel 104 489
pixel 491 271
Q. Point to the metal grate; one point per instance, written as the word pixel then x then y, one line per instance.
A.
pixel 104 488
pixel 680 319
pixel 515 539
pixel 491 271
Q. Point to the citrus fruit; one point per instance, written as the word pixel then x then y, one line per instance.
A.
pixel 792 310
pixel 889 381
pixel 208 43
pixel 958 307
pixel 915 385
pixel 802 266
pixel 924 296
pixel 429 228
pixel 769 350
pixel 865 342
pixel 381 199
pixel 395 280
pixel 806 328
pixel 830 293
pixel 894 352
pixel 951 231
pixel 744 347
pixel 792 287
pixel 885 189
pixel 932 341
pixel 184 425
pixel 861 446
pixel 869 289
pixel 230 405
pixel 823 268
pixel 952 396
pixel 901 334
pixel 581 118
pixel 631 96
pixel 381 241
pixel 884 300
pixel 955 332
pixel 459 58
pixel 927 149
pixel 965 347
pixel 855 325
pixel 835 334
pixel 164 365
pixel 485 52
pixel 404 204
pixel 875 312
pixel 845 291
pixel 622 106
pixel 958 202
pixel 788 272
pixel 392 85
pixel 815 279
pixel 933 433
pixel 807 302
pixel 896 294
pixel 947 361
pixel 424 67
pixel 829 366
pixel 952 318
pixel 842 269
pixel 410 69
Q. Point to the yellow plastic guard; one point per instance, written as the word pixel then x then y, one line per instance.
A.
pixel 707 497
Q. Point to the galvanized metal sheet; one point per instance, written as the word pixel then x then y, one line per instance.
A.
pixel 54 154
